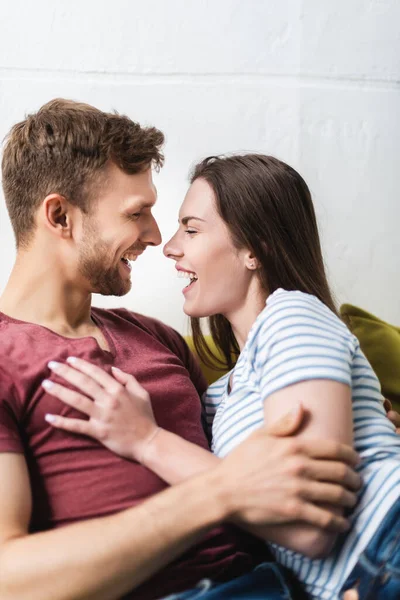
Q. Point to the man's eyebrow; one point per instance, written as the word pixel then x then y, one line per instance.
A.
pixel 140 205
pixel 185 220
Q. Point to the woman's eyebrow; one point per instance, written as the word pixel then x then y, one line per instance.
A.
pixel 185 220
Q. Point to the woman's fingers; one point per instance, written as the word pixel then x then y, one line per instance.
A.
pixel 82 382
pixel 351 595
pixel 73 425
pixel 130 382
pixel 73 399
pixel 99 375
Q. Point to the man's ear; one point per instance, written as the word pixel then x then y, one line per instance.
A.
pixel 56 214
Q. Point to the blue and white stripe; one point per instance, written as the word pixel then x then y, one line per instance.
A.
pixel 297 338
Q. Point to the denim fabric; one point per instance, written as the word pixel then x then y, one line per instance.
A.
pixel 376 575
pixel 268 581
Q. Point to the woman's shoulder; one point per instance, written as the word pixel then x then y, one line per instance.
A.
pixel 291 311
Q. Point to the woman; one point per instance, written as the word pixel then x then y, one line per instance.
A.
pixel 249 245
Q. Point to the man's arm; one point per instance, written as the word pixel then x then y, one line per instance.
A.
pixel 100 559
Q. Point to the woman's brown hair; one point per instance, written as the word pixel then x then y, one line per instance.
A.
pixel 267 208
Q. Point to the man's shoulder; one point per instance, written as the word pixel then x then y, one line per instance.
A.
pixel 138 319
pixel 154 327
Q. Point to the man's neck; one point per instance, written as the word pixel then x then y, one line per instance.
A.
pixel 38 291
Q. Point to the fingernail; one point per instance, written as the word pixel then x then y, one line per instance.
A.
pixel 49 418
pixel 53 365
pixel 387 405
pixel 46 383
pixel 116 369
pixel 72 359
pixel 295 409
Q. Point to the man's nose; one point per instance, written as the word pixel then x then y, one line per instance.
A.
pixel 152 235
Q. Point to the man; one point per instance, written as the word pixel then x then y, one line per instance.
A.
pixel 77 521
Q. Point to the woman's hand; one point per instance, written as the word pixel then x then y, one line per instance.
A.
pixel 350 595
pixel 119 408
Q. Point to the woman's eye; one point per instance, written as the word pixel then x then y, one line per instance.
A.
pixel 190 231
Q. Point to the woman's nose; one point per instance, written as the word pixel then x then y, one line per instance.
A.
pixel 171 249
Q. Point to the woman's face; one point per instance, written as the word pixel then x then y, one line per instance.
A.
pixel 217 275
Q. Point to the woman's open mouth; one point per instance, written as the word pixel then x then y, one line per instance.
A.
pixel 188 275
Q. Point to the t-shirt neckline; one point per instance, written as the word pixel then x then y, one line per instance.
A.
pixel 95 318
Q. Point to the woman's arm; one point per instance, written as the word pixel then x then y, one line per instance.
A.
pixel 328 415
pixel 121 418
pixel 328 410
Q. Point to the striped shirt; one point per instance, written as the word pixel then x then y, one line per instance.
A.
pixel 297 338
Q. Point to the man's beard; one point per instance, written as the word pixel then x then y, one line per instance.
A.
pixel 93 259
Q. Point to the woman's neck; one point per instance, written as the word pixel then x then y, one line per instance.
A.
pixel 243 318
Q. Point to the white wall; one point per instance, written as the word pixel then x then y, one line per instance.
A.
pixel 314 82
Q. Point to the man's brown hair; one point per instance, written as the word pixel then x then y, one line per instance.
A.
pixel 64 148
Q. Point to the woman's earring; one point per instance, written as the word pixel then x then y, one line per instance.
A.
pixel 252 265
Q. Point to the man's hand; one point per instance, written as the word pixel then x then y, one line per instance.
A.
pixel 272 478
pixel 392 415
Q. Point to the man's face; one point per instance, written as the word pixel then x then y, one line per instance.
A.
pixel 118 228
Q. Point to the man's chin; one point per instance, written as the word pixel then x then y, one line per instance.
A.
pixel 107 289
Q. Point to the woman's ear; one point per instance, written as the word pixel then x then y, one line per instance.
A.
pixel 56 215
pixel 250 261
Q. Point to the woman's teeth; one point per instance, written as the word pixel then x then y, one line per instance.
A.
pixel 187 275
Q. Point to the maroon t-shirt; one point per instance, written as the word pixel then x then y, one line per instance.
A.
pixel 74 477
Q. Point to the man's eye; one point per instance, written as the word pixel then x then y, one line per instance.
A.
pixel 135 216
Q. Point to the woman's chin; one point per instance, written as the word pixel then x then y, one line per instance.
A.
pixel 192 311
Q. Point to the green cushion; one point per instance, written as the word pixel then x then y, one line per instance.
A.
pixel 380 343
pixel 211 374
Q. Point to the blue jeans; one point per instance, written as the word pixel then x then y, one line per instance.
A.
pixel 376 575
pixel 268 581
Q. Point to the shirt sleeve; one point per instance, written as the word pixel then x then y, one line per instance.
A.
pixel 300 339
pixel 10 438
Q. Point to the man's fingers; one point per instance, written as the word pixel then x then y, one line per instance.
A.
pixel 328 493
pixel 327 449
pixel 387 405
pixel 288 424
pixel 322 518
pixel 74 399
pixel 331 471
pixel 72 425
pixel 394 417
